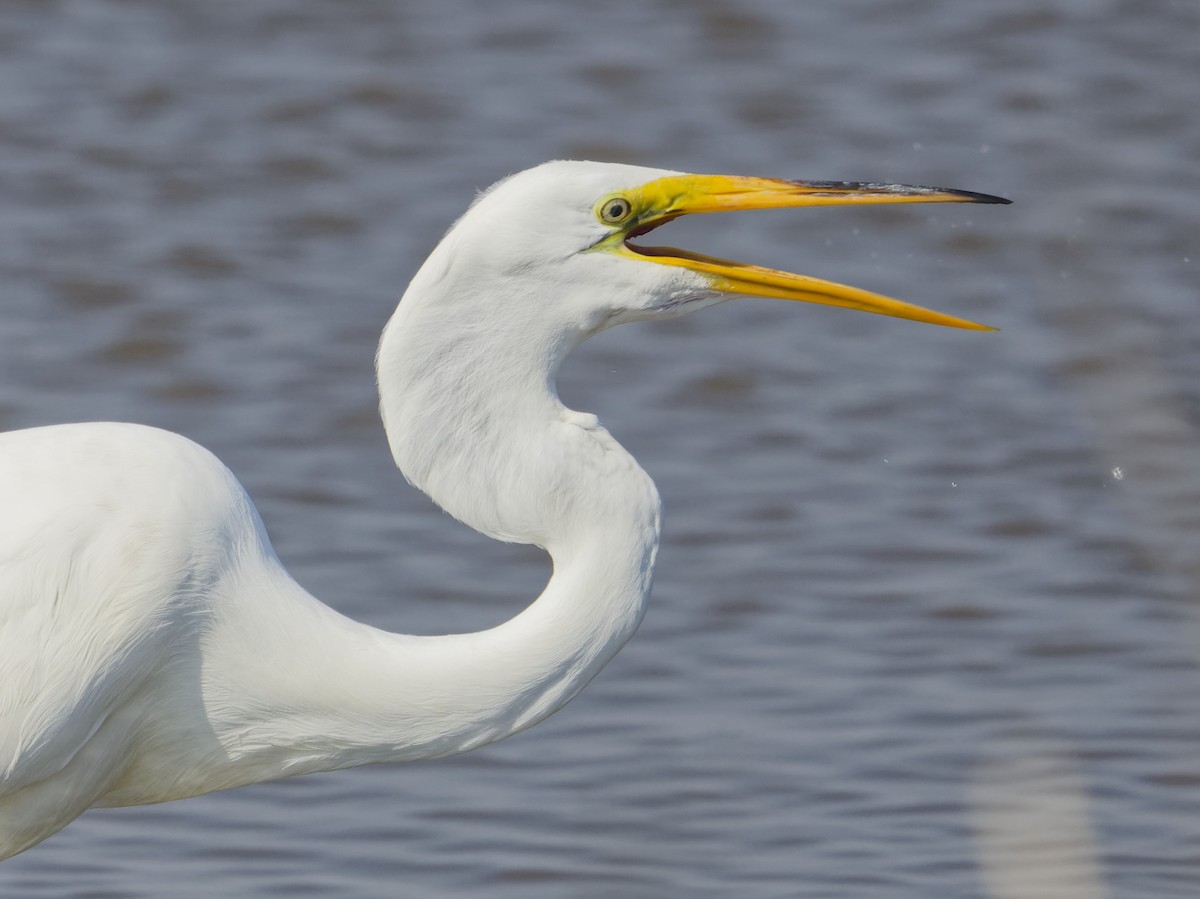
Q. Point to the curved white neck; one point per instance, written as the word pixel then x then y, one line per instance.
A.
pixel 478 426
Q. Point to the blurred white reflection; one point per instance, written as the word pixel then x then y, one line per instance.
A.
pixel 1033 830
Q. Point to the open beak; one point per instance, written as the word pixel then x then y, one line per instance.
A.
pixel 664 199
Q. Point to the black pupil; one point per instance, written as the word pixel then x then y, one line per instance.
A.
pixel 616 210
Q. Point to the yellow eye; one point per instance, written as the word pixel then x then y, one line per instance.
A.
pixel 614 210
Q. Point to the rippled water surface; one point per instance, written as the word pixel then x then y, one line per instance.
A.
pixel 924 622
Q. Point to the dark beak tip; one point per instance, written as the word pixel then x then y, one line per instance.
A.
pixel 986 198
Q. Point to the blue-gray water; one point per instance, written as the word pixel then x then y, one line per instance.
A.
pixel 925 616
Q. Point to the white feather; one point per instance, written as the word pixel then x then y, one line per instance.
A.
pixel 151 645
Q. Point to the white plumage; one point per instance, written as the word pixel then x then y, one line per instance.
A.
pixel 151 645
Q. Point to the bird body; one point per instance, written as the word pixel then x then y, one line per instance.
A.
pixel 176 656
pixel 152 646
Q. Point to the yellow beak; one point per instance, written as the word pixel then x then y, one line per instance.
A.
pixel 664 199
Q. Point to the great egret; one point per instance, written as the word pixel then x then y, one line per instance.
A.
pixel 152 647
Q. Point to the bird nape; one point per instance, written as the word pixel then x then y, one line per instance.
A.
pixel 152 647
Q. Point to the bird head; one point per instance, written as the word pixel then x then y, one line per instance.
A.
pixel 572 234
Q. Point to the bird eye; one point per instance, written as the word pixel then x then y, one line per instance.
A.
pixel 614 210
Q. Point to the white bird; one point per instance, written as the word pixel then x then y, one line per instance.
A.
pixel 152 647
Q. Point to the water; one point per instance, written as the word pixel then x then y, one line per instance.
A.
pixel 925 615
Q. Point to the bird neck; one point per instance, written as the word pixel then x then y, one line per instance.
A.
pixel 481 430
pixel 339 694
